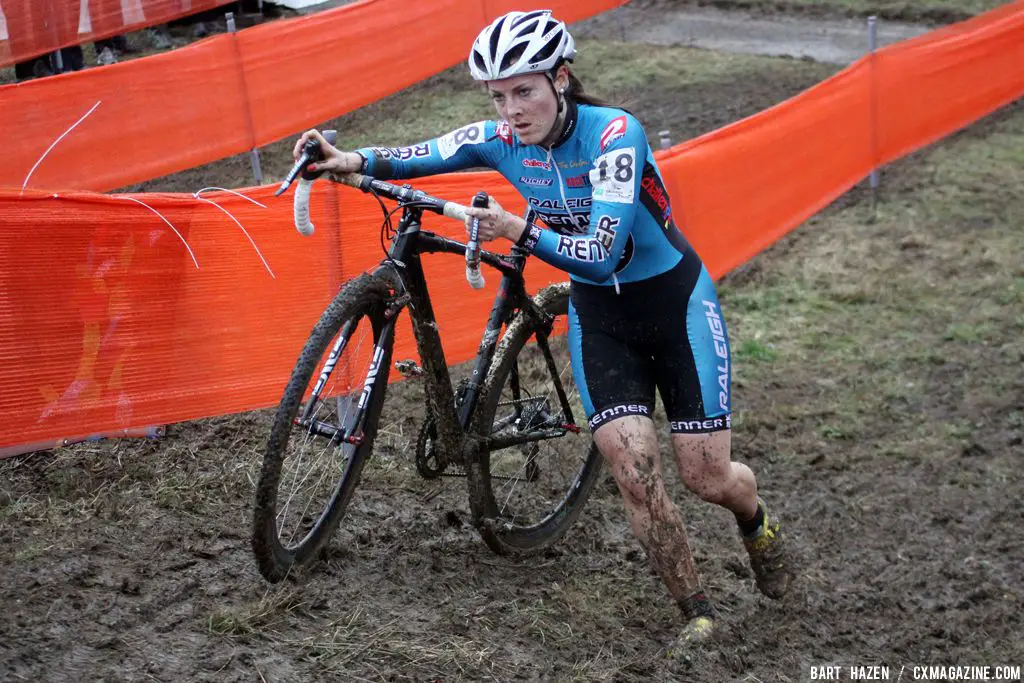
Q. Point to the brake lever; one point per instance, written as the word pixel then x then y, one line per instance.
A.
pixel 311 152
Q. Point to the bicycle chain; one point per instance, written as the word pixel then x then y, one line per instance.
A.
pixel 426 463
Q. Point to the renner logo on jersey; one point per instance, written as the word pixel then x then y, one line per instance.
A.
pixel 615 129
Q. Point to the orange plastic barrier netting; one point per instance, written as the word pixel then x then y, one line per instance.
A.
pixel 29 28
pixel 232 92
pixel 742 187
pixel 110 319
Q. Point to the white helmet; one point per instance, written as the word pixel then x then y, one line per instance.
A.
pixel 520 43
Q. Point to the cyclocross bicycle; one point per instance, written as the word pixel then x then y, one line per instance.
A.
pixel 510 428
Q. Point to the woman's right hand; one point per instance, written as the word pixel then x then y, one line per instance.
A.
pixel 334 159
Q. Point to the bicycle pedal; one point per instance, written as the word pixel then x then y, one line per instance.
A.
pixel 409 368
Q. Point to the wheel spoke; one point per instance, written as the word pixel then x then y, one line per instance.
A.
pixel 528 491
pixel 313 465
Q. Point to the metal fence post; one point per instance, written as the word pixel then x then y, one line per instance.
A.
pixel 254 153
pixel 873 112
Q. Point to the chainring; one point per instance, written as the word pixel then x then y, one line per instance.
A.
pixel 426 460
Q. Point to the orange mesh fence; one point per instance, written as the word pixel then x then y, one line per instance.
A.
pixel 111 317
pixel 150 117
pixel 740 188
pixel 29 28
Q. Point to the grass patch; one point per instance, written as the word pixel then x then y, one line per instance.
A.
pixel 263 617
pixel 754 350
pixel 915 318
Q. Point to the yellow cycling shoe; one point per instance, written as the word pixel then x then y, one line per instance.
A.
pixel 696 632
pixel 768 557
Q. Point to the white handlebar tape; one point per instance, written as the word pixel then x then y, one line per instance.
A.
pixel 474 277
pixel 301 206
pixel 456 211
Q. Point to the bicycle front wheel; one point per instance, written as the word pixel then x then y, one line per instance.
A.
pixel 529 486
pixel 324 429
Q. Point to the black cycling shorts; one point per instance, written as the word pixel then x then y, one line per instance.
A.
pixel 667 332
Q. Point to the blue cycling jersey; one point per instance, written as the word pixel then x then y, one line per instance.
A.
pixel 600 191
pixel 598 188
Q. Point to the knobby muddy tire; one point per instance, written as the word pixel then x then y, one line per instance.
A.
pixel 367 296
pixel 503 538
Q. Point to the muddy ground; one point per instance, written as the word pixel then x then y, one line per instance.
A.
pixel 130 560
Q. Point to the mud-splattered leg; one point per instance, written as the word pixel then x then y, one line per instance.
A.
pixel 705 466
pixel 630 446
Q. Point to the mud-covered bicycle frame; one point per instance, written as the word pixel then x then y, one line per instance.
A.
pixel 452 414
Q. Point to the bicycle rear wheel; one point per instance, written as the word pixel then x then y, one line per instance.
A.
pixel 324 429
pixel 528 489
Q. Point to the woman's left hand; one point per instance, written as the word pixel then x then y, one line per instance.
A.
pixel 493 221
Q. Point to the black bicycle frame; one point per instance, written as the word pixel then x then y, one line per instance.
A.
pixel 451 417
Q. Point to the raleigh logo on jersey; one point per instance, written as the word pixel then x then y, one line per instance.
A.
pixel 615 129
pixel 574 203
pixel 536 163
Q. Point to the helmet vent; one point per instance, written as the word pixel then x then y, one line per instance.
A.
pixel 479 61
pixel 495 37
pixel 526 17
pixel 548 50
pixel 512 56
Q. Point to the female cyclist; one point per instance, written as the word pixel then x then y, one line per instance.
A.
pixel 643 311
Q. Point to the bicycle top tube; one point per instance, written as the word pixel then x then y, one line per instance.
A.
pixel 401 193
pixel 405 194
